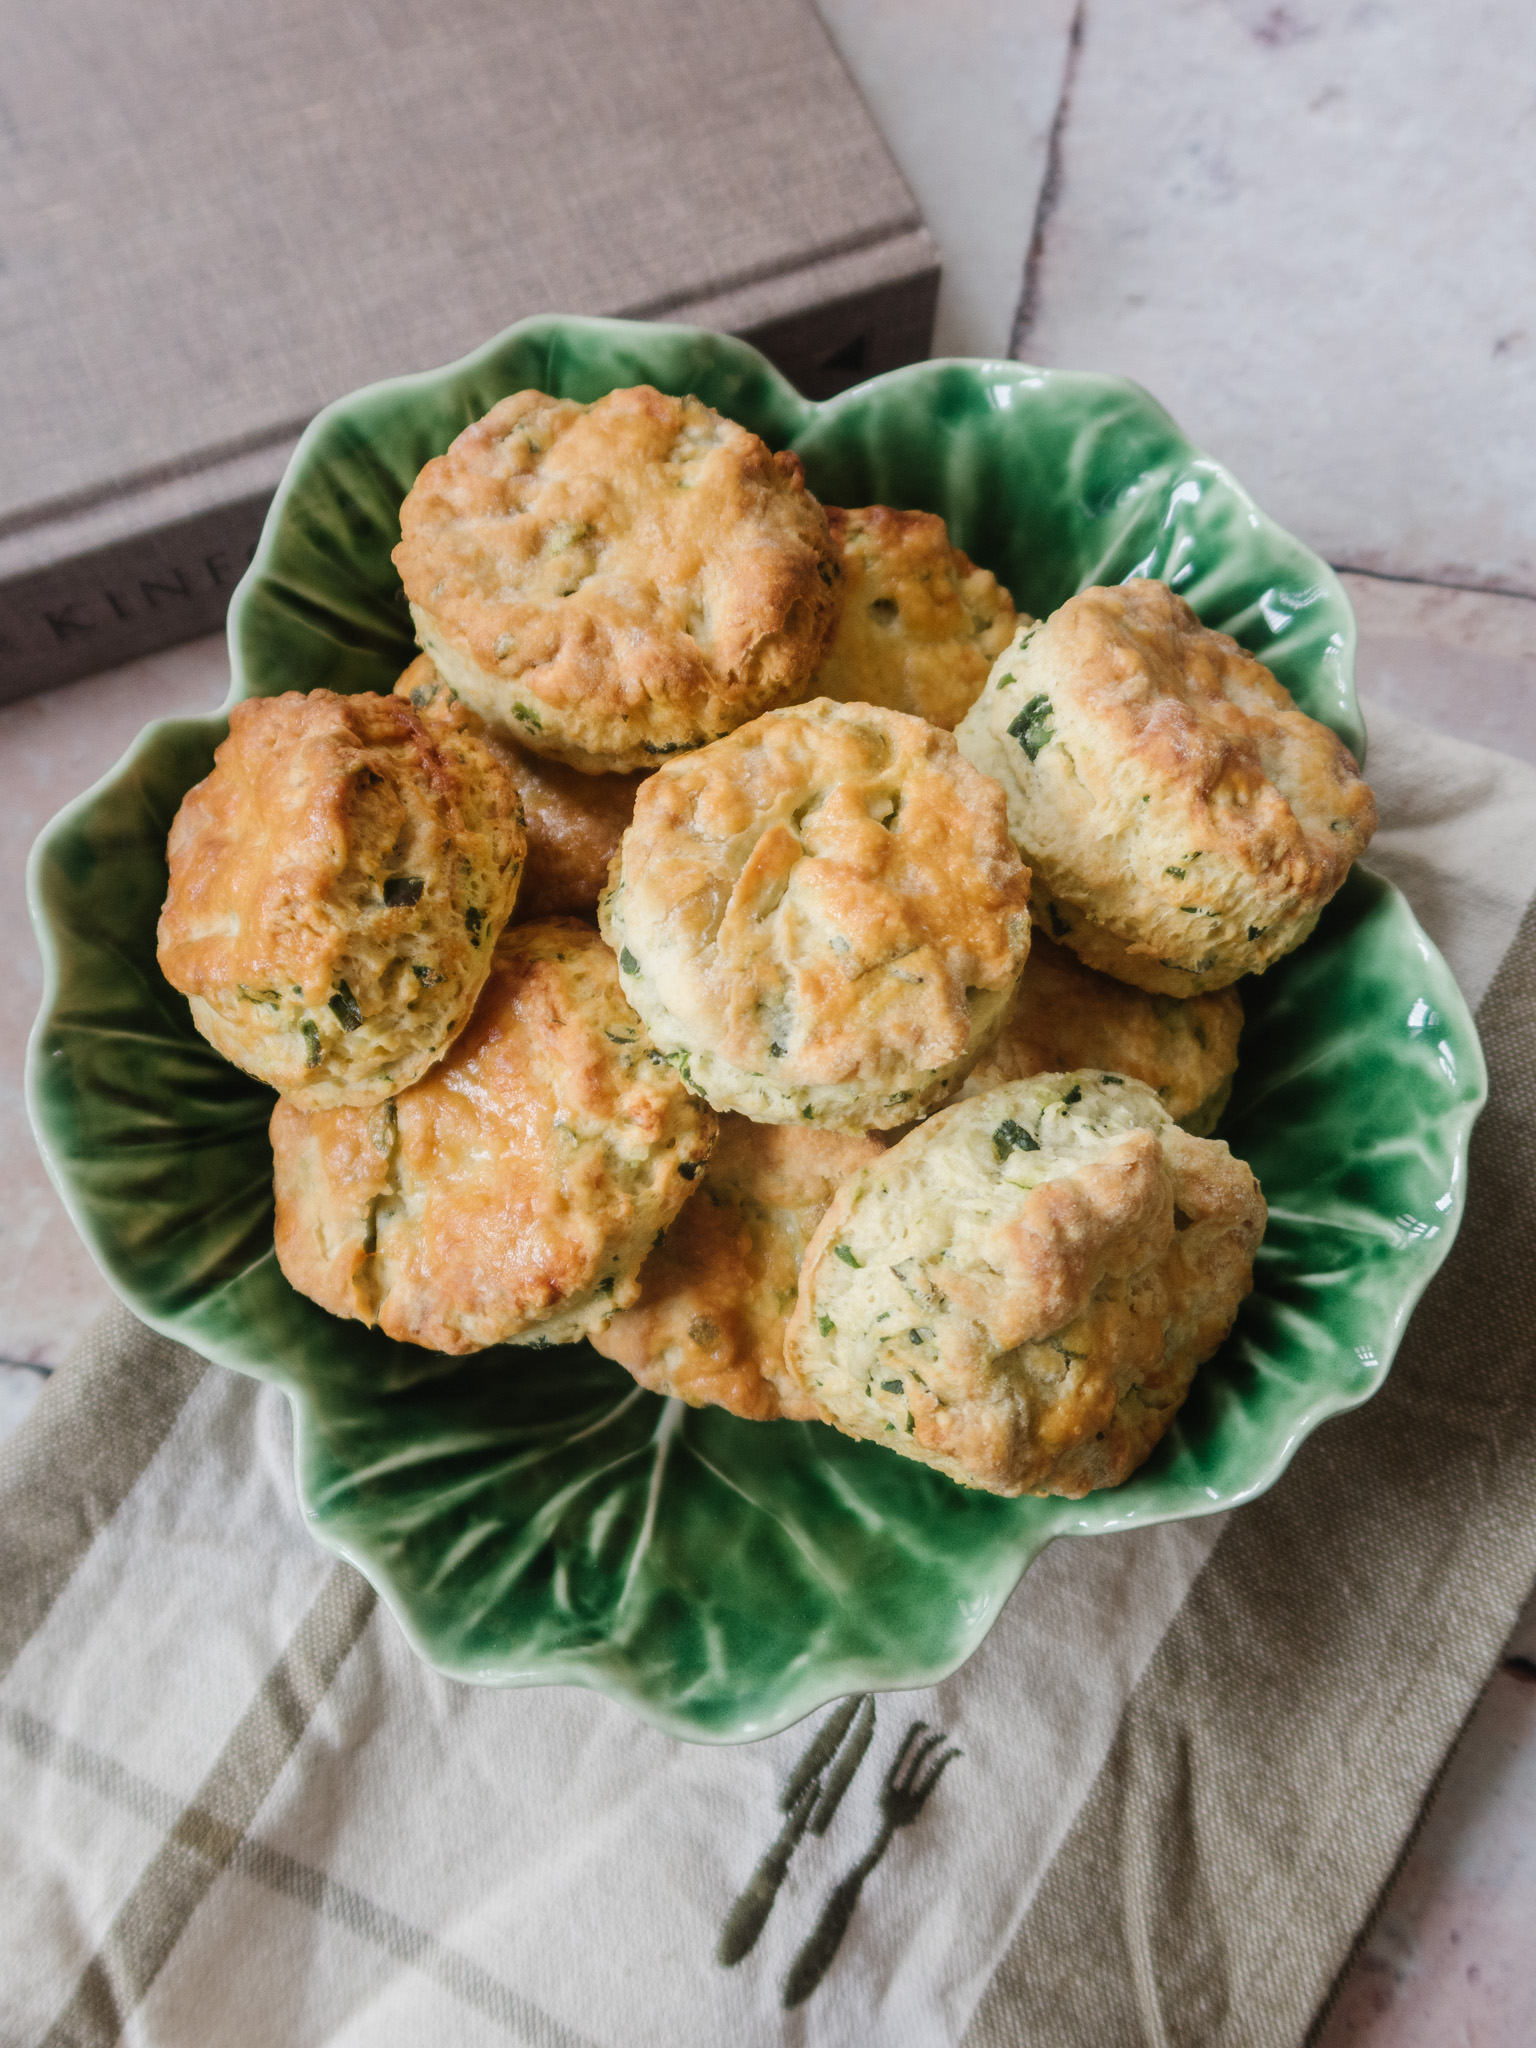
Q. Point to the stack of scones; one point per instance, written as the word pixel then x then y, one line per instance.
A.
pixel 655 965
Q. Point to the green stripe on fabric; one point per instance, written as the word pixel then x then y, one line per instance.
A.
pixel 211 1827
pixel 1274 1757
pixel 362 1917
pixel 44 1746
pixel 72 1463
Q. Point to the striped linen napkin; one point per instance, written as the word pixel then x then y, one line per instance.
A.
pixel 1156 1807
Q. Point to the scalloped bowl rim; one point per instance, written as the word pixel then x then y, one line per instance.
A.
pixel 1071 1518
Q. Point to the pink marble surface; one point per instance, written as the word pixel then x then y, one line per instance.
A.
pixel 1450 1961
pixel 1459 660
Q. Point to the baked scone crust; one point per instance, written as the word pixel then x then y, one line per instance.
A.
pixel 821 917
pixel 612 583
pixel 574 822
pixel 337 885
pixel 1066 1015
pixel 921 625
pixel 512 1195
pixel 1186 823
pixel 1018 1294
pixel 716 1293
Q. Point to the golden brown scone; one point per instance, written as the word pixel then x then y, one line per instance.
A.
pixel 1018 1293
pixel 821 917
pixel 1066 1015
pixel 337 884
pixel 717 1291
pixel 616 582
pixel 1185 821
pixel 511 1196
pixel 921 624
pixel 574 822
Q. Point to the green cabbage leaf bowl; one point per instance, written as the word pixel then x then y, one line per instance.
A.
pixel 532 1516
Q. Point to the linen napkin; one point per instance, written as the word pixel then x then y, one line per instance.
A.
pixel 1163 1799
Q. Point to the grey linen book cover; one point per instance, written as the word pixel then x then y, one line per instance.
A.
pixel 214 218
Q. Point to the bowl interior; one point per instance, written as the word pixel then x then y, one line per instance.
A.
pixel 532 1515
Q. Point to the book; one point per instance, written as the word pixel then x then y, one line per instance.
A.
pixel 213 220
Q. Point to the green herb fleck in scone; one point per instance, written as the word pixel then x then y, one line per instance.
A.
pixel 1066 1015
pixel 1185 821
pixel 1019 1292
pixel 611 584
pixel 717 1290
pixel 337 885
pixel 573 821
pixel 512 1195
pixel 821 918
pixel 921 624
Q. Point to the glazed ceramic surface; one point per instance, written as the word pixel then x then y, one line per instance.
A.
pixel 532 1516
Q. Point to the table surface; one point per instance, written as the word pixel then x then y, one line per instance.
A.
pixel 1366 369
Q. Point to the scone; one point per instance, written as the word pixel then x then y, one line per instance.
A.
pixel 1066 1015
pixel 716 1293
pixel 574 822
pixel 337 885
pixel 616 582
pixel 821 917
pixel 1018 1293
pixel 1186 823
pixel 921 624
pixel 512 1195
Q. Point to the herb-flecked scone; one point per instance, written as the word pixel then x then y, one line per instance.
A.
pixel 574 822
pixel 921 625
pixel 337 886
pixel 717 1291
pixel 1066 1015
pixel 822 917
pixel 616 582
pixel 512 1195
pixel 1018 1294
pixel 1185 821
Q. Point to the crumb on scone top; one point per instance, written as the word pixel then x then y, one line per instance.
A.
pixel 921 624
pixel 1066 1015
pixel 513 1193
pixel 612 583
pixel 717 1291
pixel 822 915
pixel 1185 820
pixel 574 822
pixel 337 884
pixel 1019 1292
